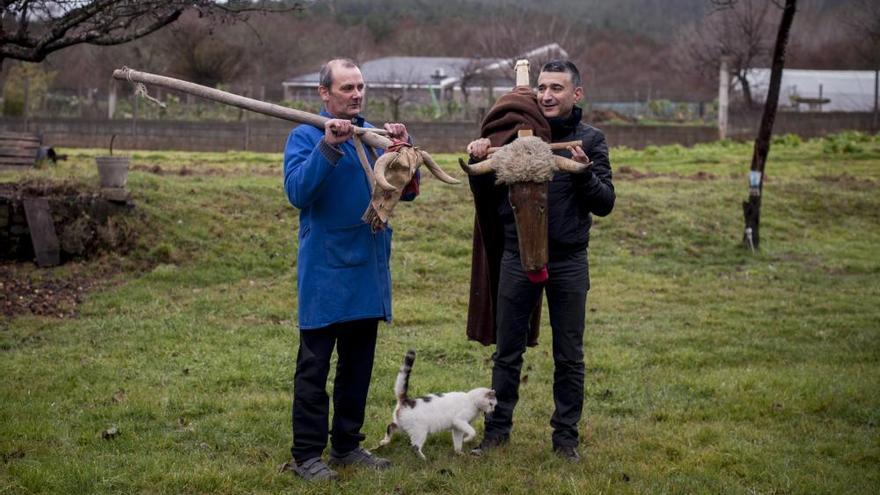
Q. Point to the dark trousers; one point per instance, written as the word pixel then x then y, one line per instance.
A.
pixel 355 343
pixel 566 301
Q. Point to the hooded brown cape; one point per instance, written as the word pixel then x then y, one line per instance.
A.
pixel 512 112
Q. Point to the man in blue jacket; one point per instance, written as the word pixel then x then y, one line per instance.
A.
pixel 343 277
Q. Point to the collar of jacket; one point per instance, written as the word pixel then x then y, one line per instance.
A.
pixel 561 127
pixel 358 120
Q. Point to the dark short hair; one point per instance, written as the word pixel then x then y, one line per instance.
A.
pixel 326 77
pixel 564 66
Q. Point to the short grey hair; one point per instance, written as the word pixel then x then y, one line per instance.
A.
pixel 326 76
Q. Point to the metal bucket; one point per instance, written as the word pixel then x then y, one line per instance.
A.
pixel 112 170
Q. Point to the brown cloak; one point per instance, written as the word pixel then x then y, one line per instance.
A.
pixel 512 112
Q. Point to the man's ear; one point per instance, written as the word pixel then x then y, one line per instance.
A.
pixel 578 93
pixel 324 93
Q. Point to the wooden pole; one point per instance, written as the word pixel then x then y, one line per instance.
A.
pixel 876 91
pixel 135 110
pixel 111 100
pixel 522 72
pixel 373 137
pixel 723 97
pixel 27 102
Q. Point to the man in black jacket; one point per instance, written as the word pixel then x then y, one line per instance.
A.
pixel 572 200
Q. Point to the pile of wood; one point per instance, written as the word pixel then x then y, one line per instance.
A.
pixel 18 150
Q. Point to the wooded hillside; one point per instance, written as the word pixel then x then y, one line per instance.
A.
pixel 627 49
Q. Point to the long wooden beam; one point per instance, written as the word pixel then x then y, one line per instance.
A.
pixel 373 137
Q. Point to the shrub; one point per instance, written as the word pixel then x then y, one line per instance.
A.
pixel 844 142
pixel 788 140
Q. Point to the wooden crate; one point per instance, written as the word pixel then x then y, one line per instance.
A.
pixel 18 150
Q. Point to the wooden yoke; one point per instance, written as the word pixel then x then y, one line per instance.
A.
pixel 383 198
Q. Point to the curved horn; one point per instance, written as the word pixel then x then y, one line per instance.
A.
pixel 379 170
pixel 483 167
pixel 436 170
pixel 569 165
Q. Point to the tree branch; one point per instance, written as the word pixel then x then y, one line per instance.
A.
pixel 44 26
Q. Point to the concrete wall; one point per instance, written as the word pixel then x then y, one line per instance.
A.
pixel 270 135
pixel 804 124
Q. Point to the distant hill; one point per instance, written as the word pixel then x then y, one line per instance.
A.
pixel 657 19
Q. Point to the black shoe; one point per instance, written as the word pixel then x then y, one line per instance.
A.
pixel 489 443
pixel 312 469
pixel 359 457
pixel 567 452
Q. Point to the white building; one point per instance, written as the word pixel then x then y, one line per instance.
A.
pixel 819 90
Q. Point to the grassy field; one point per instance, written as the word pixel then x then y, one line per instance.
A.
pixel 709 369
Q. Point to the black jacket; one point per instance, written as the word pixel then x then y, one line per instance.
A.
pixel 572 198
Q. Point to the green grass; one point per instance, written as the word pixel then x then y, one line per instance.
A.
pixel 709 369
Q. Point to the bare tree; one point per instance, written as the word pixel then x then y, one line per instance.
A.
pixel 471 76
pixel 752 207
pixel 863 17
pixel 397 95
pixel 199 56
pixel 738 29
pixel 32 29
pixel 513 32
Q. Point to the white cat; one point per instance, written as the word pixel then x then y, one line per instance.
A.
pixel 436 412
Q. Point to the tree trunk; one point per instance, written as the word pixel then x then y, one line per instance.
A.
pixel 747 90
pixel 752 207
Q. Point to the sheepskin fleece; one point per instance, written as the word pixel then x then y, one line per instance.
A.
pixel 527 159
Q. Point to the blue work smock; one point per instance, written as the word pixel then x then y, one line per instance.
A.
pixel 343 271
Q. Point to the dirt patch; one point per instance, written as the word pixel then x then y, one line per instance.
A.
pixel 27 290
pixel 631 173
pixel 848 181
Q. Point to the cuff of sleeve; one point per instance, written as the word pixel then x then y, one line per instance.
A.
pixel 586 178
pixel 330 152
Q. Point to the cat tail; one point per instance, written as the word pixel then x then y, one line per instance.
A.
pixel 401 385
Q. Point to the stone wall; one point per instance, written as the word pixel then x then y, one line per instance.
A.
pixel 270 135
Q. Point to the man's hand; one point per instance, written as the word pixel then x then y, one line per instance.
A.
pixel 397 131
pixel 479 148
pixel 337 131
pixel 578 155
